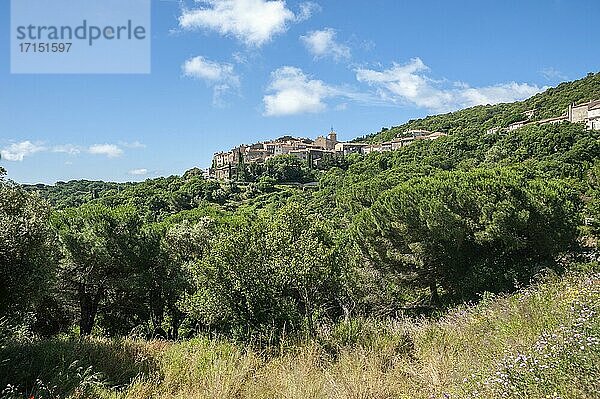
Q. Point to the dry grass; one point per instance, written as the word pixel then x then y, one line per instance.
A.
pixel 457 356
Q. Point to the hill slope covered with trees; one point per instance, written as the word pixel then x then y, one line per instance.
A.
pixel 548 104
pixel 271 269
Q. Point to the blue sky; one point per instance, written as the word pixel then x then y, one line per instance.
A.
pixel 226 72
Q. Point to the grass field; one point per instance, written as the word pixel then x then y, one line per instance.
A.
pixel 542 342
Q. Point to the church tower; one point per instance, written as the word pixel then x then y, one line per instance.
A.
pixel 332 136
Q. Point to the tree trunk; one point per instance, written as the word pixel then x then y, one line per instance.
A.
pixel 88 307
pixel 308 312
pixel 435 297
pixel 175 323
pixel 157 314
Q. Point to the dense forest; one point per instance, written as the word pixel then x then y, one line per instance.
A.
pixel 388 236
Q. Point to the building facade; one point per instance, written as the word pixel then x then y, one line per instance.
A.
pixel 587 113
pixel 226 164
pixel 327 143
pixel 577 113
pixel 345 149
pixel 593 122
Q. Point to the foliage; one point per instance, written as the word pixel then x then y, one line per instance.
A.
pixel 319 276
pixel 550 103
pixel 103 256
pixel 469 232
pixel 411 231
pixel 275 274
pixel 27 255
pixel 541 341
pixel 61 367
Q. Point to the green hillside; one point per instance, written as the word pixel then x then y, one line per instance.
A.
pixel 551 103
pixel 449 268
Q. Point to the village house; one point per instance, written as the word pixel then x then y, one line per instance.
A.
pixel 516 125
pixel 345 149
pixel 558 119
pixel 372 148
pixel 593 122
pixel 416 132
pixel 435 135
pixel 402 140
pixel 312 156
pixel 327 143
pixel 411 136
pixel 225 164
pixel 283 145
pixel 386 146
pixel 587 113
pixel 577 113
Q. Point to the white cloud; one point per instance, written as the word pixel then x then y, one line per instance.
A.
pixel 66 149
pixel 239 58
pixel 220 76
pixel 500 93
pixel 553 74
pixel 133 144
pixel 18 151
pixel 322 43
pixel 307 9
pixel 293 92
pixel 110 150
pixel 405 82
pixel 254 22
pixel 210 71
pixel 138 172
pixel 409 84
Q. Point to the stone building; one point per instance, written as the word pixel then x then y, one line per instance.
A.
pixel 373 148
pixel 312 156
pixel 577 113
pixel 345 149
pixel 225 164
pixel 411 136
pixel 587 113
pixel 327 143
pixel 593 117
pixel 558 119
pixel 386 146
pixel 516 125
pixel 434 135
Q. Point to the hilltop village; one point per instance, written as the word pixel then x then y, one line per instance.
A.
pixel 225 164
